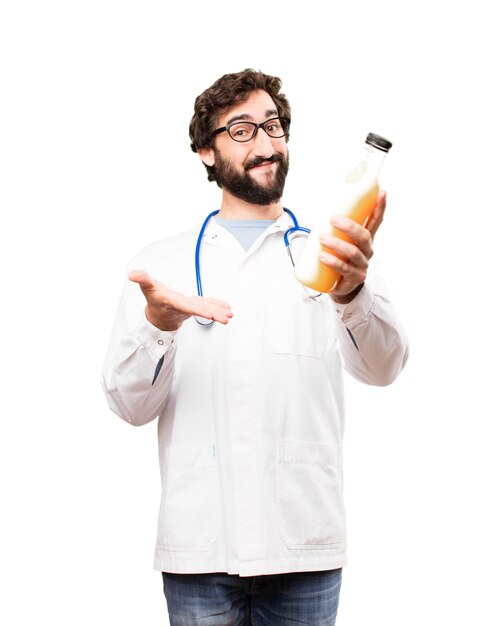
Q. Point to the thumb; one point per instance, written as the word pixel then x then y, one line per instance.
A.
pixel 142 278
pixel 378 213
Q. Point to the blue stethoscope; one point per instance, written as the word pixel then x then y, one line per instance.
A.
pixel 291 233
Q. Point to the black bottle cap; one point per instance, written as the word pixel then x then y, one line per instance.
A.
pixel 378 142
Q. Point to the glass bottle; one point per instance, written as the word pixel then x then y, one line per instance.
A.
pixel 356 198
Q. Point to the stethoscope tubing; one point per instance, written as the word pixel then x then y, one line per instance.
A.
pixel 197 251
pixel 295 228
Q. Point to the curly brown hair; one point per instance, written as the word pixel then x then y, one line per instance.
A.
pixel 225 92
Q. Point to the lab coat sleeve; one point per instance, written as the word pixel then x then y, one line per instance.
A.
pixel 372 340
pixel 139 366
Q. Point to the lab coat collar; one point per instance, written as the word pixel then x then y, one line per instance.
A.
pixel 217 235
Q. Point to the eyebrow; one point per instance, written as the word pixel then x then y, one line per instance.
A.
pixel 245 116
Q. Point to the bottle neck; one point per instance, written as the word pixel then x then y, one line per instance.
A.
pixel 368 167
pixel 375 156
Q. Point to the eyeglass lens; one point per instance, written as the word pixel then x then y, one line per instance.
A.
pixel 244 131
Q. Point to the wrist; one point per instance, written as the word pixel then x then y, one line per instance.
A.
pixel 347 297
pixel 161 323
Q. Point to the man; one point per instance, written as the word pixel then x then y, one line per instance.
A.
pixel 250 409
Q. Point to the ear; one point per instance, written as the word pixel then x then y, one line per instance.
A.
pixel 207 155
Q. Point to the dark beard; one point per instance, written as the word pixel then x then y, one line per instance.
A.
pixel 244 187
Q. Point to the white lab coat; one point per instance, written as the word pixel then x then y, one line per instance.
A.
pixel 251 414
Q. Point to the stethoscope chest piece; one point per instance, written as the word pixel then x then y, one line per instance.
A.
pixel 203 321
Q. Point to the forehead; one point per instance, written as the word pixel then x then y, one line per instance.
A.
pixel 258 107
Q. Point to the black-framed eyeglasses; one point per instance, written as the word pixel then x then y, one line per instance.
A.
pixel 242 131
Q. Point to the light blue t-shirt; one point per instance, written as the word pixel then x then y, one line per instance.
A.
pixel 245 231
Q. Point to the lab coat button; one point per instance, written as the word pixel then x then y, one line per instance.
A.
pixel 160 342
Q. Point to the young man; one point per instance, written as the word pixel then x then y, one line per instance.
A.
pixel 250 408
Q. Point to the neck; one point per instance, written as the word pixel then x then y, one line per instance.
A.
pixel 233 208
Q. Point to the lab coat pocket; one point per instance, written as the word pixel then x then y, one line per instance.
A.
pixel 309 495
pixel 187 518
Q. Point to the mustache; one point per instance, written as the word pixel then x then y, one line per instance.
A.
pixel 259 160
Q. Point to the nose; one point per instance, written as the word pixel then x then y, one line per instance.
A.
pixel 262 144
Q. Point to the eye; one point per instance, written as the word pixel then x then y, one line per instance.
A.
pixel 239 132
pixel 273 126
pixel 242 130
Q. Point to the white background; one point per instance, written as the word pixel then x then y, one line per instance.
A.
pixel 96 97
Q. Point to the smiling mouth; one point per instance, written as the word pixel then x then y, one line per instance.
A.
pixel 258 163
pixel 258 167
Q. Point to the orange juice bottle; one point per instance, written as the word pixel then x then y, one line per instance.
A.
pixel 356 198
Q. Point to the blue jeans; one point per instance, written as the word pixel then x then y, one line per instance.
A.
pixel 275 600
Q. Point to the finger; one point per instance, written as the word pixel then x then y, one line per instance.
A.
pixel 216 302
pixel 348 230
pixel 352 273
pixel 347 251
pixel 220 314
pixel 143 279
pixel 377 216
pixel 214 309
pixel 222 318
pixel 209 308
pixel 140 277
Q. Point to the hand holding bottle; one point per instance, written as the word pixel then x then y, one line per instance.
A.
pixel 337 263
pixel 348 250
